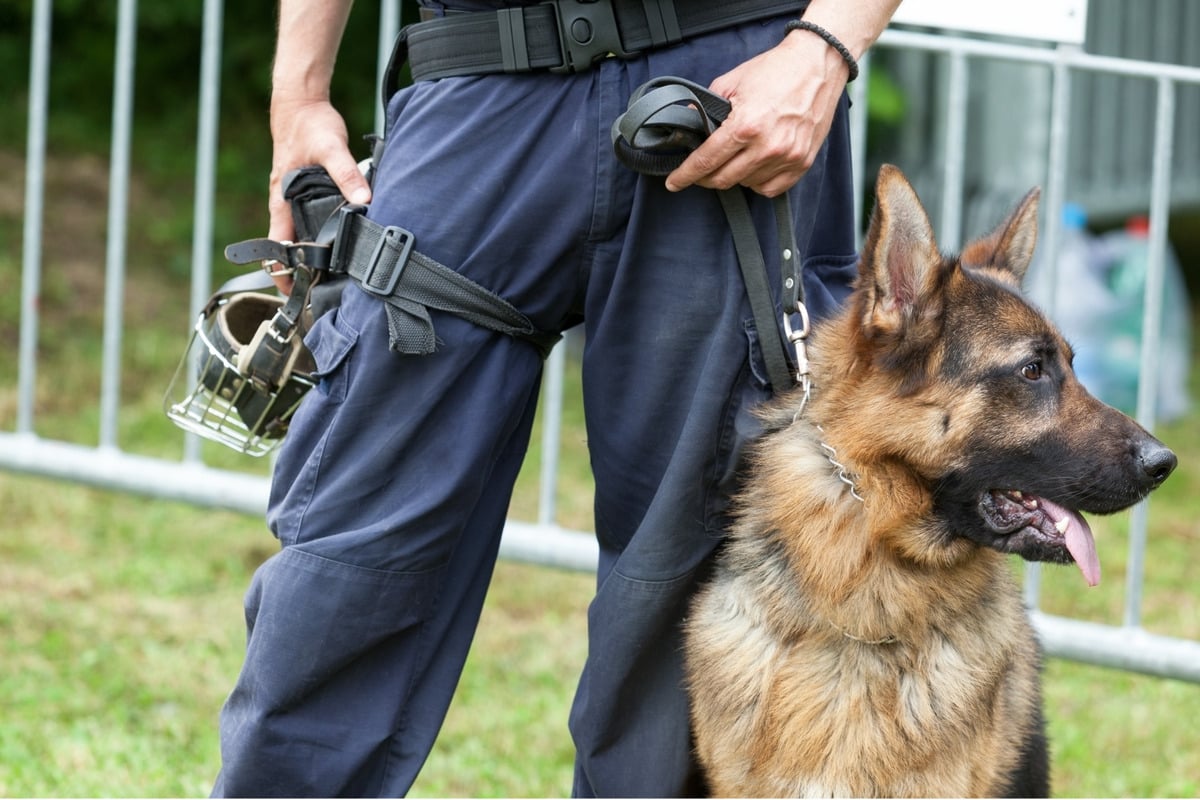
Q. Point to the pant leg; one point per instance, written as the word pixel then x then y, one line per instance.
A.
pixel 672 370
pixel 359 627
pixel 392 486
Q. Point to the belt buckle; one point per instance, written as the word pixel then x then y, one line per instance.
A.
pixel 587 32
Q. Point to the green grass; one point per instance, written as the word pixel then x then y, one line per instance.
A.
pixel 121 622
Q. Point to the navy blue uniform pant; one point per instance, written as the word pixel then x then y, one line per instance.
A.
pixel 392 486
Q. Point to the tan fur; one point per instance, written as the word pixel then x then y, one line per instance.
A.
pixel 844 648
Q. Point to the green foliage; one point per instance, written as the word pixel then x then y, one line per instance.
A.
pixel 166 82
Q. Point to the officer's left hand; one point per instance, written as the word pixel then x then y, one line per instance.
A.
pixel 784 102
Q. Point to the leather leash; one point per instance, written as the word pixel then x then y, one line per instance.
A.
pixel 665 120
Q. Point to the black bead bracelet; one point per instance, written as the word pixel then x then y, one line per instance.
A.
pixel 830 39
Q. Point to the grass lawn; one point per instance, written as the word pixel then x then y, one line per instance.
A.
pixel 120 633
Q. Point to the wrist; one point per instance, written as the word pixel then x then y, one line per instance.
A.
pixel 806 27
pixel 300 84
pixel 856 25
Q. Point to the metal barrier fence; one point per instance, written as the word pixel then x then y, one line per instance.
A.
pixel 108 466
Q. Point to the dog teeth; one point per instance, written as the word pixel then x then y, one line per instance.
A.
pixel 1062 525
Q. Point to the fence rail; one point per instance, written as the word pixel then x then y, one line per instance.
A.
pixel 190 480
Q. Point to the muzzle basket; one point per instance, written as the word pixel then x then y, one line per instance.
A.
pixel 211 397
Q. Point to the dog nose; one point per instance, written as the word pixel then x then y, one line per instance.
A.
pixel 1157 462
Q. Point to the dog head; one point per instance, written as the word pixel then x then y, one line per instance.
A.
pixel 985 407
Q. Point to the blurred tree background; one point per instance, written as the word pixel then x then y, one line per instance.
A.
pixel 166 93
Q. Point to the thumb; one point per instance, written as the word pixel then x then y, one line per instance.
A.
pixel 344 171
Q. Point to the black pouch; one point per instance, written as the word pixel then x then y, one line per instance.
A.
pixel 315 200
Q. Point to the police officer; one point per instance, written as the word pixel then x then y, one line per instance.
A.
pixel 392 485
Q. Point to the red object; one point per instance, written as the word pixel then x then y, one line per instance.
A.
pixel 1138 226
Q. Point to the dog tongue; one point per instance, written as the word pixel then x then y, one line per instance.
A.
pixel 1080 542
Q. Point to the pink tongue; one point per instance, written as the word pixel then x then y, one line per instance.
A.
pixel 1080 542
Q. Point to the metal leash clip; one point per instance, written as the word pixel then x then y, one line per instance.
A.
pixel 799 340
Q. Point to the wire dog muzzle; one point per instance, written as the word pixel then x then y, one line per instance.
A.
pixel 243 374
pixel 246 368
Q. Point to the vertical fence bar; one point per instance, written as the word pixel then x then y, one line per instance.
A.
pixel 389 26
pixel 1056 181
pixel 552 388
pixel 35 192
pixel 1147 398
pixel 950 235
pixel 118 211
pixel 206 169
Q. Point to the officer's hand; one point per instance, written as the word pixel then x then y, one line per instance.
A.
pixel 783 106
pixel 307 133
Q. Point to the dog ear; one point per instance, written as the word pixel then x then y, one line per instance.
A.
pixel 900 260
pixel 1009 247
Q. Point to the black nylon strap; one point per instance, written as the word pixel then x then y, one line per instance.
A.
pixel 549 36
pixel 665 120
pixel 385 262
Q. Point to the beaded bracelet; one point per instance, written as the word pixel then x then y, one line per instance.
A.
pixel 830 39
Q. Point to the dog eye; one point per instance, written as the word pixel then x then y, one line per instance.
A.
pixel 1032 371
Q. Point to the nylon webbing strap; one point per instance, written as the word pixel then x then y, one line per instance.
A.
pixel 562 35
pixel 385 262
pixel 665 120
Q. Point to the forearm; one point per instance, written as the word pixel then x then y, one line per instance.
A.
pixel 305 128
pixel 306 48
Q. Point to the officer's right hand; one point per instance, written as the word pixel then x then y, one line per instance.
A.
pixel 308 132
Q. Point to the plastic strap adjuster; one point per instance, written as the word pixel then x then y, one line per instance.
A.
pixel 341 222
pixel 394 239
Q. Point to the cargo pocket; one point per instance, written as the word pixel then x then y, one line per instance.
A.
pixel 754 356
pixel 331 340
pixel 739 427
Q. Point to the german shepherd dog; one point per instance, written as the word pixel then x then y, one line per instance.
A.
pixel 863 634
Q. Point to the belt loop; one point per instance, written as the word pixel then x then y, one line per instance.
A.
pixel 514 52
pixel 662 21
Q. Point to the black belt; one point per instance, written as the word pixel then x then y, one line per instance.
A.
pixel 562 35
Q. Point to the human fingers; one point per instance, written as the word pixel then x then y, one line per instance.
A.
pixel 706 162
